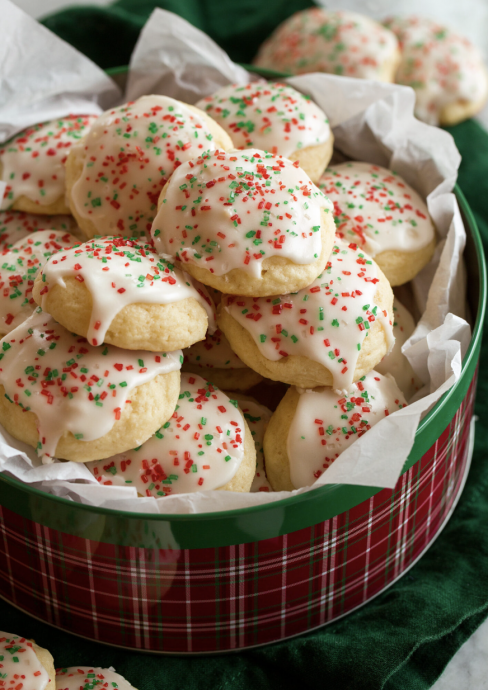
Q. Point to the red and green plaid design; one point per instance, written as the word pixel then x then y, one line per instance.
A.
pixel 220 599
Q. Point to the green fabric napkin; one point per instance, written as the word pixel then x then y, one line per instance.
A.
pixel 405 637
pixel 108 35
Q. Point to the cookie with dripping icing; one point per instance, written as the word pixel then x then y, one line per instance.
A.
pixel 330 333
pixel 116 173
pixel 119 291
pixel 73 401
pixel 205 445
pixel 375 208
pixel 32 163
pixel 214 359
pixel 19 267
pixel 395 363
pixel 274 117
pixel 245 223
pixel 311 428
pixel 444 68
pixel 337 42
pixel 17 225
pixel 93 677
pixel 24 664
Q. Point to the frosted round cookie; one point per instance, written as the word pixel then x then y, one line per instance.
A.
pixel 18 269
pixel 70 400
pixel 90 678
pixel 32 164
pixel 119 291
pixel 245 223
pixel 257 416
pixel 376 209
pixel 445 70
pixel 16 225
pixel 311 428
pixel 395 363
pixel 274 118
pixel 114 177
pixel 214 359
pixel 328 334
pixel 24 665
pixel 319 40
pixel 205 445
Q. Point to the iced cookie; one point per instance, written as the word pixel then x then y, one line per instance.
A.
pixel 245 223
pixel 311 428
pixel 205 445
pixel 214 359
pixel 16 225
pixel 445 70
pixel 114 177
pixel 328 334
pixel 376 209
pixel 395 363
pixel 257 416
pixel 119 291
pixel 274 118
pixel 24 665
pixel 90 678
pixel 74 401
pixel 18 269
pixel 32 164
pixel 320 40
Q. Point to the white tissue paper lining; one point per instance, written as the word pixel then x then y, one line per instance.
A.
pixel 371 121
pixel 44 77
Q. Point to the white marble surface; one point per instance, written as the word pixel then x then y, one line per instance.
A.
pixel 468 669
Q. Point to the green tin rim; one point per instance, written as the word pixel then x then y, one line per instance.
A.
pixel 304 510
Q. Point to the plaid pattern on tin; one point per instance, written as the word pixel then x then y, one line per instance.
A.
pixel 233 597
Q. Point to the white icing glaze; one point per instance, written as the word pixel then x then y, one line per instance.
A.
pixel 319 40
pixel 326 422
pixel 69 384
pixel 18 269
pixel 233 210
pixel 257 417
pixel 119 271
pixel 20 669
pixel 375 208
pixel 200 448
pixel 16 225
pixel 213 353
pixel 33 161
pixel 130 153
pixel 326 322
pixel 270 117
pixel 440 65
pixel 395 363
pixel 90 678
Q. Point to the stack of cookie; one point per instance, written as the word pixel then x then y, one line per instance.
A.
pixel 90 365
pixel 228 205
pixel 321 325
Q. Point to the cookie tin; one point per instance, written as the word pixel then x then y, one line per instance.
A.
pixel 217 582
